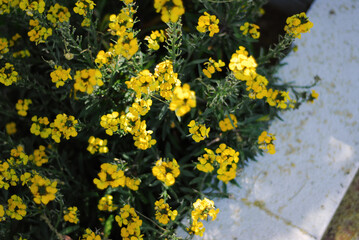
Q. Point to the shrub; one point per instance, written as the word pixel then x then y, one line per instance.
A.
pixel 121 118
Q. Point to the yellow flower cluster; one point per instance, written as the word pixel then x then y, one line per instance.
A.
pixel 38 33
pixel 202 209
pixel 43 189
pixel 70 215
pixel 154 39
pixel 298 24
pixel 21 54
pixel 171 10
pixel 265 141
pixel 244 68
pixel 110 122
pixel 130 223
pixel 208 22
pixel 167 79
pixel 10 128
pixel 120 23
pixel 59 76
pixel 163 212
pixel 18 156
pixel 121 26
pixel 63 126
pixel 111 175
pixel 212 66
pixel 7 176
pixel 225 159
pixel 22 106
pixel 257 87
pixel 143 83
pixel 228 123
pixel 106 204
pixel 4 46
pixel 131 123
pixel 206 161
pixel 6 5
pixel 16 208
pixel 279 99
pixel 90 235
pixel 251 29
pixel 86 79
pixel 242 65
pixel 166 171
pixel 102 58
pixel 132 183
pixel 8 75
pixel 58 13
pixel 97 145
pixel 199 131
pixel 31 7
pixel 183 100
pixel 39 126
pixel 2 213
pixel 39 156
pixel 83 7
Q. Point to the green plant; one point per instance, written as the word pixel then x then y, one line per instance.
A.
pixel 108 127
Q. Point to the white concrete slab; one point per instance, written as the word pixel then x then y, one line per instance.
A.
pixel 293 194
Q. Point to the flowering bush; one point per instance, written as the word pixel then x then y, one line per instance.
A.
pixel 118 120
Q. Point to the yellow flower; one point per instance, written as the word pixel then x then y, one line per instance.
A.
pixel 16 208
pixel 242 65
pixel 155 38
pixel 110 122
pixel 298 24
pixel 167 79
pixel 22 106
pixel 199 131
pixel 132 183
pixel 143 83
pixel 10 128
pixel 58 13
pixel 130 223
pixel 171 10
pixel 313 95
pixel 2 213
pixel 64 126
pixel 163 212
pixel 209 23
pixel 265 141
pixel 257 87
pixel 70 215
pixel 8 75
pixel 59 76
pixel 38 33
pixel 212 66
pixel 250 28
pixel 43 189
pixel 87 79
pixel 39 156
pixel 228 123
pixel 106 204
pixel 110 175
pixel 201 210
pixel 183 100
pixel 166 172
pixel 90 235
pixel 97 145
pixel 206 161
